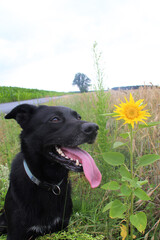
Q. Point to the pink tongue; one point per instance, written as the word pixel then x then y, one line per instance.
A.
pixel 90 169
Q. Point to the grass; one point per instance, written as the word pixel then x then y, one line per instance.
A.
pixel 12 94
pixel 88 220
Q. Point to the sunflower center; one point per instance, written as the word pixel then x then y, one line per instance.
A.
pixel 131 112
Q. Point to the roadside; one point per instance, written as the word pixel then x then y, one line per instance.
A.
pixel 7 107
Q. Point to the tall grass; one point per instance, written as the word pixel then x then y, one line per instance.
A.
pixel 101 100
pixel 9 140
pixel 88 217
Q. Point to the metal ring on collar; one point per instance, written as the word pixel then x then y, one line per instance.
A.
pixel 56 190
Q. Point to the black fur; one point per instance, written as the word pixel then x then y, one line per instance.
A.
pixel 31 210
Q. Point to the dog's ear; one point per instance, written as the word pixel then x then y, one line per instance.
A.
pixel 22 113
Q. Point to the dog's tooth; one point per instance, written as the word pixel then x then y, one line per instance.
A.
pixel 59 151
pixel 66 157
pixel 77 162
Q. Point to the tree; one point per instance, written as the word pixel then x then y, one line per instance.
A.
pixel 82 81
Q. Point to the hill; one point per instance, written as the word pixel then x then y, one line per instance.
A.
pixel 12 94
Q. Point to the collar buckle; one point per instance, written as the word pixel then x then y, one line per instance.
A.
pixel 54 188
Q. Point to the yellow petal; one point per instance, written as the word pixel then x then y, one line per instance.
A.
pixel 125 99
pixel 131 98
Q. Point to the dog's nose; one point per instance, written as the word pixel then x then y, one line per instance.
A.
pixel 89 128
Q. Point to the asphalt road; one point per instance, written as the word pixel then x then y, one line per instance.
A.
pixel 7 107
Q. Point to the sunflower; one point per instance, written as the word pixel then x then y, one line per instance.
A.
pixel 131 112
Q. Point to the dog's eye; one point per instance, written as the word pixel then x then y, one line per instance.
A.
pixel 54 119
pixel 79 118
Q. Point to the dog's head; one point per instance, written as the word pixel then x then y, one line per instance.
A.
pixel 56 132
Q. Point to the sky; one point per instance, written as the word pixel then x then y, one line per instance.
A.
pixel 44 43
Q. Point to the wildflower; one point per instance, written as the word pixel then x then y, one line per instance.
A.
pixel 131 112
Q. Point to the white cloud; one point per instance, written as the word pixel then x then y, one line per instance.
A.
pixel 46 42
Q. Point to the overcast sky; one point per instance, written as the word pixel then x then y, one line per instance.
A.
pixel 44 43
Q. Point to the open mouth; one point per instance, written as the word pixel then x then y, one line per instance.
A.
pixel 78 160
pixel 64 157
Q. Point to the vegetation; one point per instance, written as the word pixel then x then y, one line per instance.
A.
pixel 82 81
pixel 12 94
pixel 129 185
pixel 88 220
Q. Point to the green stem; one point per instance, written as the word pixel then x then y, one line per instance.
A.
pixel 127 221
pixel 131 167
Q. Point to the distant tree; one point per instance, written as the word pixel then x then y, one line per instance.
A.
pixel 82 81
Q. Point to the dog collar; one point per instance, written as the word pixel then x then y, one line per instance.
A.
pixel 55 188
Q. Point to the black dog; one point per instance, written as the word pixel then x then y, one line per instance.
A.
pixel 39 196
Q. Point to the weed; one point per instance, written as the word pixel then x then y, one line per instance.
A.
pixel 4 183
pixel 9 140
pixel 101 101
pixel 72 234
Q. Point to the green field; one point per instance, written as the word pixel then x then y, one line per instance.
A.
pixel 12 94
pixel 88 220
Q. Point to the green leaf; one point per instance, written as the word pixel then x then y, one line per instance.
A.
pixel 118 144
pixel 141 183
pixel 125 190
pixel 114 158
pixel 127 179
pixel 124 135
pixel 107 207
pixel 151 124
pixel 117 209
pixel 139 221
pixel 141 194
pixel 124 172
pixel 108 114
pixel 113 185
pixel 148 159
pixel 133 182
